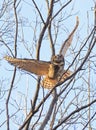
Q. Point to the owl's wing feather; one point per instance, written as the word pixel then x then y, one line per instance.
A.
pixel 68 41
pixel 30 65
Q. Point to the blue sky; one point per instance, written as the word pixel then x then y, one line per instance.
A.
pixel 24 84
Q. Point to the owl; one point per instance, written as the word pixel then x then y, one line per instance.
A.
pixel 52 72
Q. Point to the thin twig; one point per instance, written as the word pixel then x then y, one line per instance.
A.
pixel 38 11
pixel 61 9
pixel 51 40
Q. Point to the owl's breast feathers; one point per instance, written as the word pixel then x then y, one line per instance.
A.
pixel 53 71
pixel 50 83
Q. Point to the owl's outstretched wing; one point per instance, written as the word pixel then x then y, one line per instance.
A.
pixel 30 65
pixel 68 41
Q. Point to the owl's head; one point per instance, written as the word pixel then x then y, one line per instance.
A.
pixel 57 60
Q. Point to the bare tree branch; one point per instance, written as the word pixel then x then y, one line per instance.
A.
pixel 48 115
pixel 45 27
pixel 62 9
pixel 72 113
pixel 14 74
pixel 38 11
pixel 89 121
pixel 66 105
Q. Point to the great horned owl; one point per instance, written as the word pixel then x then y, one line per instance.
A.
pixel 52 71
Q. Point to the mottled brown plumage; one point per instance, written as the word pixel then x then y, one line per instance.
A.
pixel 53 71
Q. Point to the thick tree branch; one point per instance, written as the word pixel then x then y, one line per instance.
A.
pixel 44 28
pixel 49 113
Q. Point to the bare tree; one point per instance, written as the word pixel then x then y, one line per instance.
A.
pixel 26 104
